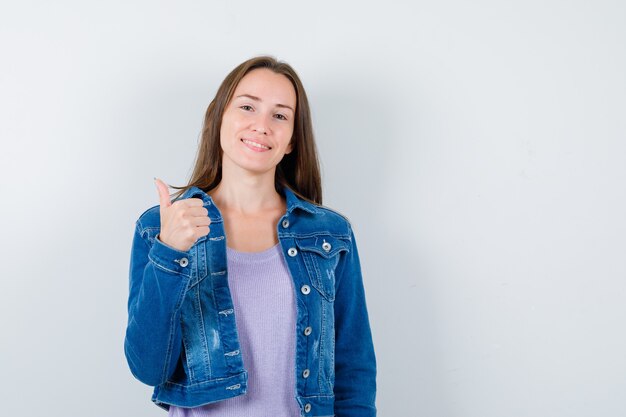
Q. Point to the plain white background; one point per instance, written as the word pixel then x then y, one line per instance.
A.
pixel 477 147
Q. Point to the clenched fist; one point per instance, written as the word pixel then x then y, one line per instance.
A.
pixel 182 222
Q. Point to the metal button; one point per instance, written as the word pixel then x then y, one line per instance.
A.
pixel 305 373
pixel 292 251
pixel 305 289
pixel 285 223
pixel 326 246
pixel 308 330
pixel 307 407
pixel 183 262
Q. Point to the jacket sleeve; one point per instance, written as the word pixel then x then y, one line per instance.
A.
pixel 157 287
pixel 355 361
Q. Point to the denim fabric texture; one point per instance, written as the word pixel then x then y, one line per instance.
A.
pixel 181 335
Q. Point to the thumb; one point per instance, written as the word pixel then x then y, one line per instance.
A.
pixel 164 194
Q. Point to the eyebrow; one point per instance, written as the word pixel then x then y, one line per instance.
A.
pixel 258 99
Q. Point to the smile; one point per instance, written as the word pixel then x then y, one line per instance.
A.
pixel 255 144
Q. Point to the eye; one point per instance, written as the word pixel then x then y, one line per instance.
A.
pixel 245 105
pixel 283 117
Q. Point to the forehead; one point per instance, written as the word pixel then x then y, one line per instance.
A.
pixel 269 86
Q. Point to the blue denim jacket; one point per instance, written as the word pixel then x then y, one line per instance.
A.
pixel 181 335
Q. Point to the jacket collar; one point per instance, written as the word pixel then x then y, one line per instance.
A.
pixel 293 201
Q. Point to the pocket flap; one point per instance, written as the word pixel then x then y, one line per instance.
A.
pixel 324 245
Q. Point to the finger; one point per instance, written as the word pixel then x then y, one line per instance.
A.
pixel 192 202
pixel 164 195
pixel 202 231
pixel 197 211
pixel 200 221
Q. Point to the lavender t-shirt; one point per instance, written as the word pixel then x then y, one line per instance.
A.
pixel 265 313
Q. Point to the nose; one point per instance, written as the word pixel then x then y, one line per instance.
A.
pixel 261 124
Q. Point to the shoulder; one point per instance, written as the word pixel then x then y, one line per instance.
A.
pixel 333 219
pixel 317 218
pixel 149 219
pixel 333 214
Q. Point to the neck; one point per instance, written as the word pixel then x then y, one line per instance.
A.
pixel 244 192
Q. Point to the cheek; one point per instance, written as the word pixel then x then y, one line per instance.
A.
pixel 230 119
pixel 226 123
pixel 235 125
pixel 288 133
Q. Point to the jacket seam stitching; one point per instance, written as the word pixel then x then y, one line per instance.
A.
pixel 297 235
pixel 207 357
pixel 168 355
pixel 210 381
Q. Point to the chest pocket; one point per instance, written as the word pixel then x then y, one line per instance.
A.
pixel 321 255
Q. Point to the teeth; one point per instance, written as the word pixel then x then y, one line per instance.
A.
pixel 258 145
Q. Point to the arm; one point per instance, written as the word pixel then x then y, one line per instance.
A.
pixel 157 287
pixel 355 362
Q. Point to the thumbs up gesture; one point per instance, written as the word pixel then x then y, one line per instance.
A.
pixel 182 222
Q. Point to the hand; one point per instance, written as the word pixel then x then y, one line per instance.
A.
pixel 182 222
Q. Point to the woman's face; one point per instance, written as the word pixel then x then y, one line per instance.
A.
pixel 261 112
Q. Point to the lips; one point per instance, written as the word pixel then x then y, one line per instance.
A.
pixel 252 142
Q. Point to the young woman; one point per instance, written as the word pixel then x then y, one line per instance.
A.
pixel 246 296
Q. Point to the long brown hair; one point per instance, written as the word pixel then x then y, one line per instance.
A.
pixel 299 169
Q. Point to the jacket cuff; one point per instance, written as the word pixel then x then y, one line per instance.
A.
pixel 169 259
